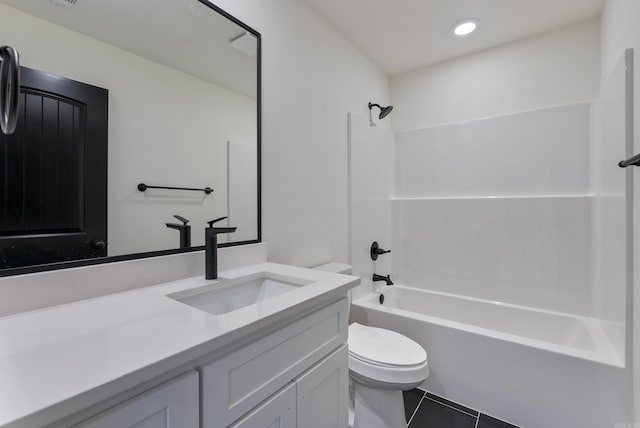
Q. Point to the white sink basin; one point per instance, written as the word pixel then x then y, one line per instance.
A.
pixel 237 293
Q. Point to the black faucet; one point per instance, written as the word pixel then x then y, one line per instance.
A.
pixel 211 245
pixel 185 231
pixel 386 279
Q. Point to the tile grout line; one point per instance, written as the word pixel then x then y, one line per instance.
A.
pixel 417 407
pixel 501 420
pixel 437 398
pixel 453 408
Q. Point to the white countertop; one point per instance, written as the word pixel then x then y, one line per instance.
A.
pixel 59 360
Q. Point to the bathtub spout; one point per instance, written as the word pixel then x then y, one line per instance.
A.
pixel 386 279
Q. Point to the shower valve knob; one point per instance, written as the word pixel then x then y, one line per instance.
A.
pixel 377 251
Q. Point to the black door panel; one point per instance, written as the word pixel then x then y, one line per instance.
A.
pixel 53 173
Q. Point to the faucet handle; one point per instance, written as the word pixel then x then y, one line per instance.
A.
pixel 182 219
pixel 376 251
pixel 210 223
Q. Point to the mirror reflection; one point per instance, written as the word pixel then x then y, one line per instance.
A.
pixel 138 124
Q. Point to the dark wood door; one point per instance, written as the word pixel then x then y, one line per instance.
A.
pixel 53 174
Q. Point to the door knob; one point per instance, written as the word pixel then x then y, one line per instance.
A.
pixel 98 245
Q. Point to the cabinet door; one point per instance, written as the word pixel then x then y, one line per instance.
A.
pixel 170 405
pixel 277 412
pixel 239 381
pixel 322 393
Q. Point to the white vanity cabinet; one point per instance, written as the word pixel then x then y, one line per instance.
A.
pixel 309 353
pixel 322 393
pixel 148 358
pixel 290 373
pixel 278 411
pixel 316 399
pixel 173 404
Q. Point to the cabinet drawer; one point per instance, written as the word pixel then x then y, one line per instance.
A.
pixel 278 411
pixel 237 382
pixel 173 404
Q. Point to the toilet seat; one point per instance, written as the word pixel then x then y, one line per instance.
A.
pixel 386 358
pixel 382 364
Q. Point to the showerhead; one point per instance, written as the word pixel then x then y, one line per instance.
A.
pixel 384 111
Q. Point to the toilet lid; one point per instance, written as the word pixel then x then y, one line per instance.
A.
pixel 386 347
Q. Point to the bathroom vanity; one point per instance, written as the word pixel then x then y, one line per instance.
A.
pixel 264 344
pixel 100 338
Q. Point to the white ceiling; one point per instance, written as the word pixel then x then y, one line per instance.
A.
pixel 402 35
pixel 185 35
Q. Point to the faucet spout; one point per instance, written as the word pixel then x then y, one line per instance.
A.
pixel 224 229
pixel 386 279
pixel 184 229
pixel 211 247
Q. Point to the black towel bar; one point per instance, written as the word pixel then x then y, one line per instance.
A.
pixel 142 187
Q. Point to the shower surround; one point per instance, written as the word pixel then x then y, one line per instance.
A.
pixel 495 220
pixel 508 208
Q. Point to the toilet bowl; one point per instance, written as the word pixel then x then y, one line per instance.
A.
pixel 382 364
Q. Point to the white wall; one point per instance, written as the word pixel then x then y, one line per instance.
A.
pixel 311 78
pixel 182 145
pixel 554 68
pixel 370 183
pixel 242 195
pixel 620 31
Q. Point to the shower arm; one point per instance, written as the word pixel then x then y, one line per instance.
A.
pixel 9 89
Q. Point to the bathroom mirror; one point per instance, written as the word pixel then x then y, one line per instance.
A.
pixel 180 87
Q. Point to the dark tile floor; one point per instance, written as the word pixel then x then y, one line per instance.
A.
pixel 425 410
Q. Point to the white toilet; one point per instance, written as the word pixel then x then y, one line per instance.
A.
pixel 382 364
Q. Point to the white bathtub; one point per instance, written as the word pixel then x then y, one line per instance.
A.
pixel 534 368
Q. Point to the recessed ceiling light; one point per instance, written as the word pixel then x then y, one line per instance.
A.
pixel 465 27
